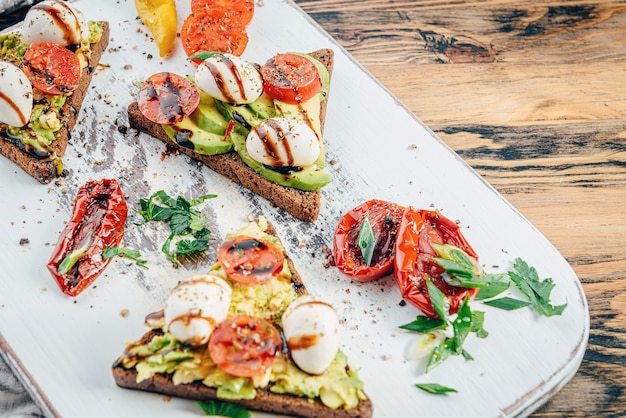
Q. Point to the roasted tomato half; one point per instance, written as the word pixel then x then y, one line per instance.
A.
pixel 384 218
pixel 414 258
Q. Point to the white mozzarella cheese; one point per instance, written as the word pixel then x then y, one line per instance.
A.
pixel 311 329
pixel 230 79
pixel 54 21
pixel 16 95
pixel 195 307
pixel 283 142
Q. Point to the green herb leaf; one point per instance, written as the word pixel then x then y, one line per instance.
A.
pixel 183 221
pixel 201 56
pixel 125 252
pixel 507 303
pixel 366 240
pixel 457 256
pixel 478 323
pixel 74 257
pixel 441 304
pixel 223 409
pixel 462 325
pixel 537 291
pixel 435 388
pixel 495 285
pixel 440 354
pixel 424 325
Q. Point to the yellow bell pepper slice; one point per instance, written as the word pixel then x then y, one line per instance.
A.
pixel 160 17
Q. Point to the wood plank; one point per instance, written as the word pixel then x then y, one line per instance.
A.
pixel 531 95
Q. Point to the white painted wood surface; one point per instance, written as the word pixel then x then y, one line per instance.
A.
pixel 63 347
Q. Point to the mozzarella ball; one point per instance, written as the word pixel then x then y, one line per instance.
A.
pixel 230 79
pixel 283 142
pixel 195 307
pixel 16 95
pixel 54 21
pixel 311 328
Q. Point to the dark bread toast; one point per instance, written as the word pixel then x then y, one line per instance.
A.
pixel 265 400
pixel 42 170
pixel 304 205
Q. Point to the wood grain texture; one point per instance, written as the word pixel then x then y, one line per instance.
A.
pixel 533 96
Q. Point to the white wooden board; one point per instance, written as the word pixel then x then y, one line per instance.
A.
pixel 63 347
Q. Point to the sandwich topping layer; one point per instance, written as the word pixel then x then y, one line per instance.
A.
pixel 255 295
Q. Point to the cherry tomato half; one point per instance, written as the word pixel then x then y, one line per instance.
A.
pixel 51 68
pixel 236 11
pixel 384 218
pixel 413 259
pixel 250 260
pixel 245 346
pixel 291 78
pixel 203 32
pixel 168 98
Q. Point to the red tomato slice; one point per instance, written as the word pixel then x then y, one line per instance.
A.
pixel 244 346
pixel 168 98
pixel 250 260
pixel 202 32
pixel 384 218
pixel 51 68
pixel 291 78
pixel 236 11
pixel 413 259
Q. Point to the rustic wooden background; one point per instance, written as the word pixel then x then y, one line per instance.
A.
pixel 533 96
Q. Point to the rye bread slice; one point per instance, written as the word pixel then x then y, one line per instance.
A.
pixel 304 205
pixel 45 171
pixel 265 400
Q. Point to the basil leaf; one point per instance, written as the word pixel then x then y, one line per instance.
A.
pixel 224 409
pixel 124 252
pixel 366 240
pixel 507 303
pixel 441 304
pixel 435 389
pixel 424 325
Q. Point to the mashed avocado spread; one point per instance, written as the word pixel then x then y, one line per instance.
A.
pixel 48 115
pixel 337 387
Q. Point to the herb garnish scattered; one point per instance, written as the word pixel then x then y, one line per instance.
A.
pixel 223 409
pixel 461 269
pixel 125 252
pixel 435 388
pixel 183 221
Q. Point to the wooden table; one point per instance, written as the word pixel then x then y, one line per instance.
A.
pixel 533 96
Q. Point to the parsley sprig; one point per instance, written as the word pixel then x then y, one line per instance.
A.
pixel 183 221
pixel 129 253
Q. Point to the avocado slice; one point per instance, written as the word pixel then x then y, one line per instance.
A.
pixel 263 107
pixel 309 178
pixel 207 117
pixel 188 134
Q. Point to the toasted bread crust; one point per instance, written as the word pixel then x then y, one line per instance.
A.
pixel 304 205
pixel 265 400
pixel 45 171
